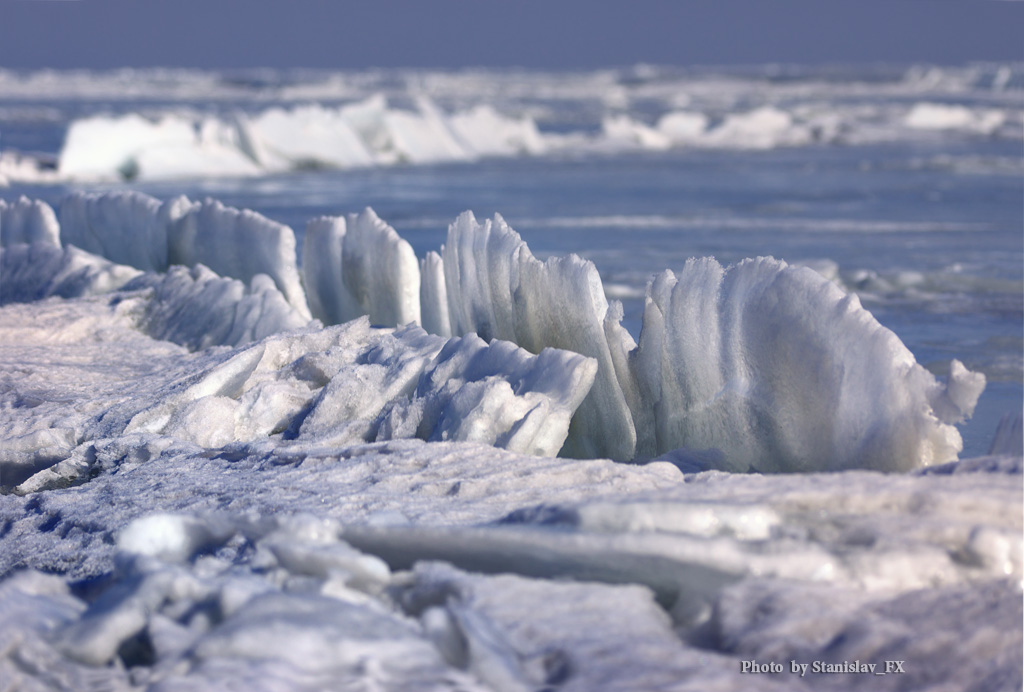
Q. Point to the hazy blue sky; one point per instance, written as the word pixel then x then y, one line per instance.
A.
pixel 529 33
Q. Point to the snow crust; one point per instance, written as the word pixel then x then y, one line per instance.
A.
pixel 698 573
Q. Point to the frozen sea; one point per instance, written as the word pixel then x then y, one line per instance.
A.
pixel 149 544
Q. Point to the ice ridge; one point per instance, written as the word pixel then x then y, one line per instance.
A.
pixel 760 366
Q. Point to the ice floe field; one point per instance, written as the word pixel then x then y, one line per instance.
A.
pixel 632 379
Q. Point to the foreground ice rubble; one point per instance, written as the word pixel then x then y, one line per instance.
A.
pixel 756 366
pixel 513 582
pixel 336 386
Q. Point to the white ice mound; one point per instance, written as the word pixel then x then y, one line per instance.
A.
pixel 939 116
pixel 764 128
pixel 41 270
pixel 362 267
pixel 779 370
pixel 239 244
pixel 28 221
pixel 496 288
pixel 488 133
pixel 352 384
pixel 306 137
pixel 131 146
pixel 364 133
pixel 622 130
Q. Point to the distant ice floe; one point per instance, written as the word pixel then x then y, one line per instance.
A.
pixel 937 116
pixel 756 366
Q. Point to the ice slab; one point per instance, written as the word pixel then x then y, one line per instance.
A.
pixel 198 309
pixel 780 370
pixel 496 288
pixel 360 267
pixel 132 146
pixel 28 221
pixel 239 244
pixel 363 133
pixel 486 132
pixel 310 136
pixel 758 366
pixel 938 116
pixel 125 227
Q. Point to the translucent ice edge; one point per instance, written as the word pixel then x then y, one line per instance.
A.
pixel 760 366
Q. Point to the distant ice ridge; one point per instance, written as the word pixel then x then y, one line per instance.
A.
pixel 758 366
pixel 366 133
pixel 374 131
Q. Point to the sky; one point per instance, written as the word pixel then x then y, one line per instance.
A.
pixel 557 34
